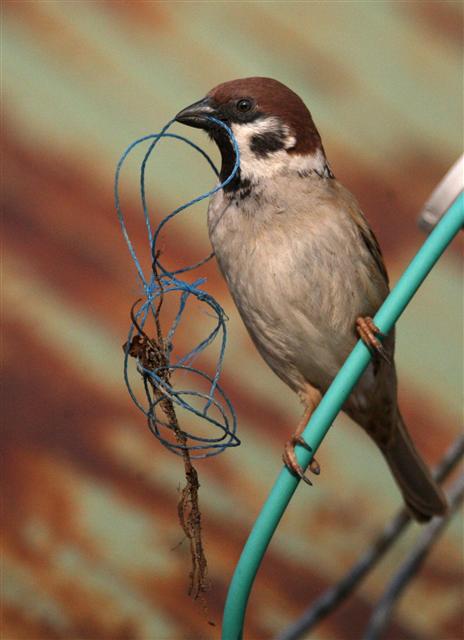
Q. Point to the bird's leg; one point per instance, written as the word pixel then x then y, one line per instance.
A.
pixel 368 332
pixel 311 399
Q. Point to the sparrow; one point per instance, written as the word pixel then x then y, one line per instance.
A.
pixel 305 269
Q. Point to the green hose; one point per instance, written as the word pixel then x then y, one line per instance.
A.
pixel 325 414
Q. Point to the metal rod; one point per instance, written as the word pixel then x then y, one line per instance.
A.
pixel 383 613
pixel 334 596
pixel 324 415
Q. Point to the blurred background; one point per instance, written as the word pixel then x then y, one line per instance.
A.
pixel 90 522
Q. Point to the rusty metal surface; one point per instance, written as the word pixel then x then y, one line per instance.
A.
pixel 89 496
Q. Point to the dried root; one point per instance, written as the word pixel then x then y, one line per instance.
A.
pixel 152 355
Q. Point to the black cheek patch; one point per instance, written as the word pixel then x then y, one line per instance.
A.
pixel 265 143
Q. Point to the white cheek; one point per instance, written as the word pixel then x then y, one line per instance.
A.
pixel 253 167
pixel 257 168
pixel 245 132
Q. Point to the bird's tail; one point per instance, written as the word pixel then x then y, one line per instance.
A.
pixel 423 497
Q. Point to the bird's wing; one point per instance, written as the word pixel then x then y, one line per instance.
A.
pixel 369 240
pixel 367 235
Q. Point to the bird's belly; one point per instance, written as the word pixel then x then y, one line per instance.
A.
pixel 293 319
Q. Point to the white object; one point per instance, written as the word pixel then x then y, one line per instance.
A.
pixel 443 196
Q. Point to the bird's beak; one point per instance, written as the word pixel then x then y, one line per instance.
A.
pixel 196 115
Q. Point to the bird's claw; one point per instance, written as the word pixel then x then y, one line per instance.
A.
pixel 291 462
pixel 368 332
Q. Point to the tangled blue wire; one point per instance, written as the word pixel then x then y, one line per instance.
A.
pixel 160 283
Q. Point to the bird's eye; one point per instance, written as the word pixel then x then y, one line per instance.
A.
pixel 244 105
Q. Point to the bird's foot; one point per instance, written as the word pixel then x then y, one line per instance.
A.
pixel 368 332
pixel 291 462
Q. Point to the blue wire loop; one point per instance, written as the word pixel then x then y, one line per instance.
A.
pixel 157 288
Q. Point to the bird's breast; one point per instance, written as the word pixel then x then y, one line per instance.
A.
pixel 296 280
pixel 275 254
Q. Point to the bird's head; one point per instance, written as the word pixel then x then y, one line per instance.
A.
pixel 273 128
